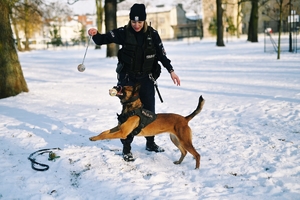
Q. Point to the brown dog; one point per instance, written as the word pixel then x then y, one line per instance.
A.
pixel 176 125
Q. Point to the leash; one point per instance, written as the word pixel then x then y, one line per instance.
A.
pixel 43 167
pixel 87 46
pixel 156 87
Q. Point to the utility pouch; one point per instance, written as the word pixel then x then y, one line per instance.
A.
pixel 156 70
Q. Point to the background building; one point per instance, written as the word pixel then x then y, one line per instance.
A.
pixel 171 22
pixel 231 17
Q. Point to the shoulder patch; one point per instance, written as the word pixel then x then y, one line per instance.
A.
pixel 112 34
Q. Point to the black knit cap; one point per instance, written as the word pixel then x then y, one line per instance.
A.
pixel 138 12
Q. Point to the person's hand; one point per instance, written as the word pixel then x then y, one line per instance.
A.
pixel 175 78
pixel 92 31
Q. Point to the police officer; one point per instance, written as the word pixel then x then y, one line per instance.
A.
pixel 141 49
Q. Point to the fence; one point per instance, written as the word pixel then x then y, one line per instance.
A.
pixel 289 40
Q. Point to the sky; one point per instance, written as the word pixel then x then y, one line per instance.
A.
pixel 84 6
pixel 247 133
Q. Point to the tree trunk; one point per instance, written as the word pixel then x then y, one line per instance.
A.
pixel 220 41
pixel 253 23
pixel 238 19
pixel 110 10
pixel 12 81
pixel 99 12
pixel 15 26
pixel 26 26
pixel 279 28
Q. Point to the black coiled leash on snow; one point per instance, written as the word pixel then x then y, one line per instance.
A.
pixel 43 167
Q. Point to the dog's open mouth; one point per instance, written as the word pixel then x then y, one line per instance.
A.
pixel 116 91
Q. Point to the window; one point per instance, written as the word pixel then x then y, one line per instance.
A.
pixel 163 31
pixel 161 20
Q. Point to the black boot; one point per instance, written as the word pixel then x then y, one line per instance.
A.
pixel 127 155
pixel 151 146
pixel 154 147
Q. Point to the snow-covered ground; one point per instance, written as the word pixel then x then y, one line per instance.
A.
pixel 247 133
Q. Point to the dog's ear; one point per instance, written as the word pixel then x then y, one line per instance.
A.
pixel 136 88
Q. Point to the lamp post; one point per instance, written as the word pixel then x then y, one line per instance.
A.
pixel 293 19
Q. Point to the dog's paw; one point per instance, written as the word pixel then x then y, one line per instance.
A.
pixel 176 162
pixel 92 138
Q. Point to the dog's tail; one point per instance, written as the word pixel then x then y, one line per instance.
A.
pixel 198 109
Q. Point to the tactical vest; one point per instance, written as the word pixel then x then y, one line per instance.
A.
pixel 146 117
pixel 128 53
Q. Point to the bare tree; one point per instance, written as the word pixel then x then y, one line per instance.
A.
pixel 55 11
pixel 280 6
pixel 280 2
pixel 220 29
pixel 15 24
pixel 253 22
pixel 279 10
pixel 26 16
pixel 99 12
pixel 12 81
pixel 238 19
pixel 54 15
pixel 110 8
pixel 31 19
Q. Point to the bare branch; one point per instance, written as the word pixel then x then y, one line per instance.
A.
pixel 71 2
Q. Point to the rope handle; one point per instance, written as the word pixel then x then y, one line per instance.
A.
pixel 43 167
